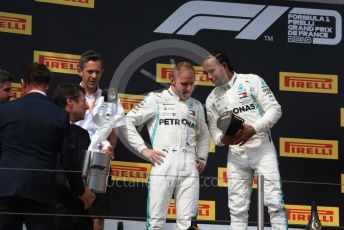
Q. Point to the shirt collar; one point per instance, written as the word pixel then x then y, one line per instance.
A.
pixel 96 94
pixel 37 91
pixel 170 91
pixel 175 96
pixel 229 84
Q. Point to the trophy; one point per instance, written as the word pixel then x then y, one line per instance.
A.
pixel 96 164
pixel 230 123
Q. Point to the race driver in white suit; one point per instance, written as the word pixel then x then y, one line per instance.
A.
pixel 180 140
pixel 250 149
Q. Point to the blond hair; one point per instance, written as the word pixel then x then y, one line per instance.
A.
pixel 181 66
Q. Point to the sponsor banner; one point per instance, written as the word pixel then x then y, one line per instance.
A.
pixel 78 3
pixel 58 62
pixel 341 117
pixel 206 210
pixel 129 101
pixel 309 148
pixel 164 74
pixel 15 23
pixel 307 82
pixel 130 171
pixel 16 91
pixel 251 21
pixel 222 180
pixel 300 215
pixel 342 183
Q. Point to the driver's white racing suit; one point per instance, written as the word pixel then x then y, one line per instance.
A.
pixel 249 97
pixel 178 129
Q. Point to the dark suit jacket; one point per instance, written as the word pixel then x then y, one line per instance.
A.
pixel 32 132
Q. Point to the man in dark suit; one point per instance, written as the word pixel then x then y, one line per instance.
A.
pixel 72 98
pixel 32 131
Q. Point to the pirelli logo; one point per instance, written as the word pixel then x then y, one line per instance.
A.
pixel 58 62
pixel 206 210
pixel 17 91
pixel 342 182
pixel 15 23
pixel 164 74
pixel 129 171
pixel 129 101
pixel 222 180
pixel 309 148
pixel 78 3
pixel 341 117
pixel 300 215
pixel 311 83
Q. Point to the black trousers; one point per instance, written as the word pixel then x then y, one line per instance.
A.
pixel 71 213
pixel 16 211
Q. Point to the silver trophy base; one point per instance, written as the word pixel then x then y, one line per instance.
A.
pixel 98 171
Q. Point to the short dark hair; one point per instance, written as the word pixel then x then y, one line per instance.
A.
pixel 221 57
pixel 66 91
pixel 90 55
pixel 5 76
pixel 36 74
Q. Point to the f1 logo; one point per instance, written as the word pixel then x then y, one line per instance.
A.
pixel 252 20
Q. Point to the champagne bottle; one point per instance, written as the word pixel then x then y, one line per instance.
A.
pixel 314 222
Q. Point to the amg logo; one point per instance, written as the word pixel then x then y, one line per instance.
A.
pixel 170 121
pixel 244 108
pixel 309 148
pixel 313 83
pixel 251 20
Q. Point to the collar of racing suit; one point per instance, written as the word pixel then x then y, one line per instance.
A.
pixel 230 83
pixel 175 96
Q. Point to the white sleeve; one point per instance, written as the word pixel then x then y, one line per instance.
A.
pixel 202 147
pixel 212 120
pixel 269 108
pixel 118 119
pixel 143 112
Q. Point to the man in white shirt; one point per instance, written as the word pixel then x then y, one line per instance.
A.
pixel 90 70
